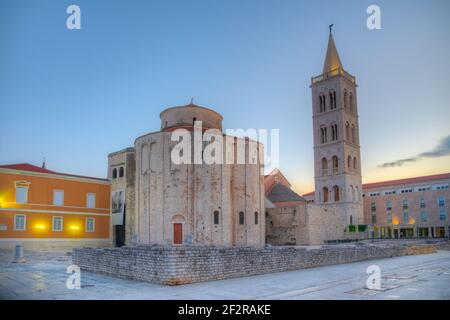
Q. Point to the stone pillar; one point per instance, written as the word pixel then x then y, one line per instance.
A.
pixel 18 254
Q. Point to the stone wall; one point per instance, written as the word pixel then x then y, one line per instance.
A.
pixel 174 265
pixel 282 225
pixel 307 224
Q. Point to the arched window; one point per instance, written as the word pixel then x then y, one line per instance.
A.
pixel 325 194
pixel 324 166
pixel 349 162
pixel 345 99
pixel 331 100
pixel 334 132
pixel 347 131
pixel 335 162
pixel 216 217
pixel 355 163
pixel 323 134
pixel 351 102
pixel 357 194
pixel 351 220
pixel 321 103
pixel 334 99
pixel 256 217
pixel 241 217
pixel 336 193
pixel 121 172
pixel 352 194
pixel 114 173
pixel 353 133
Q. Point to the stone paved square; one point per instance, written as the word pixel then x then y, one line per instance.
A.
pixel 43 276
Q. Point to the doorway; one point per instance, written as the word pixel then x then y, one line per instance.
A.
pixel 119 231
pixel 177 233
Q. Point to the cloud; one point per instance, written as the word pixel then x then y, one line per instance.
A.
pixel 441 150
pixel 397 163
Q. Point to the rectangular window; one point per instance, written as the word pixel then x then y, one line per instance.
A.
pixel 57 224
pixel 388 205
pixel 20 222
pixel 423 216
pixel 441 201
pixel 405 217
pixel 373 207
pixel 90 224
pixel 422 203
pixel 21 194
pixel 405 204
pixel 374 218
pixel 58 197
pixel 389 217
pixel 256 217
pixel 442 215
pixel 90 200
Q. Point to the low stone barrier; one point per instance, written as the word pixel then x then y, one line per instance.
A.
pixel 175 265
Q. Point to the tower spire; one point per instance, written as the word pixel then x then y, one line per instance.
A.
pixel 332 60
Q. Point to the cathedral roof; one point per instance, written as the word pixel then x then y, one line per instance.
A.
pixel 332 60
pixel 282 193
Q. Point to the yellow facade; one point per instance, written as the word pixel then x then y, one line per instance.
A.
pixel 38 204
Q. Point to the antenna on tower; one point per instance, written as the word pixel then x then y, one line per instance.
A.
pixel 43 164
pixel 331 28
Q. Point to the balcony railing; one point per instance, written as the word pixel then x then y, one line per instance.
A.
pixel 332 73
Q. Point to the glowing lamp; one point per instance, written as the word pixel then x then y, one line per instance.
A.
pixel 74 227
pixel 39 227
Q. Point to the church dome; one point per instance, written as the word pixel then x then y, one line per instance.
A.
pixel 185 116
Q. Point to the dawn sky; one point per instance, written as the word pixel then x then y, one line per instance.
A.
pixel 74 96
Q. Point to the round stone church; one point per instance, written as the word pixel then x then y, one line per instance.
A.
pixel 193 202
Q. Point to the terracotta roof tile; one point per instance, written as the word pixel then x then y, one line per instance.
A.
pixel 31 168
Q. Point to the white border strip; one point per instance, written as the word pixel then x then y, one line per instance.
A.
pixel 58 212
pixel 51 205
pixel 54 239
pixel 55 176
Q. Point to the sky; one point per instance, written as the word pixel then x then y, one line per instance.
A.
pixel 74 96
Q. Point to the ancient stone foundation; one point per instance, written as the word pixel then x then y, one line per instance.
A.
pixel 175 265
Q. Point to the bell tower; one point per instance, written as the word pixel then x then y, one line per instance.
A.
pixel 337 159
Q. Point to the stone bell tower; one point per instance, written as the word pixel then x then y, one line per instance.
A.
pixel 337 159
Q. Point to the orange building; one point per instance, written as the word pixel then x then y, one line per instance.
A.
pixel 44 209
